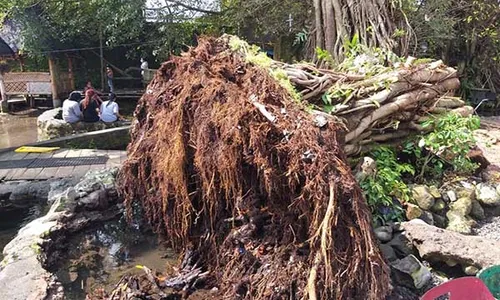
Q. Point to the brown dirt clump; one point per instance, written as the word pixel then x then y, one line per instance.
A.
pixel 269 209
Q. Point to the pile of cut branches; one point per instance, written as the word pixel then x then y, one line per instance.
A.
pixel 249 184
pixel 383 107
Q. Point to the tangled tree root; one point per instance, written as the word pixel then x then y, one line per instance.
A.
pixel 227 164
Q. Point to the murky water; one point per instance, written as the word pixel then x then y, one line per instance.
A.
pixel 99 257
pixel 13 220
pixel 18 130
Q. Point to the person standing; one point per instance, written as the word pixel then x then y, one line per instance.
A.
pixel 90 108
pixel 144 67
pixel 110 76
pixel 71 112
pixel 110 110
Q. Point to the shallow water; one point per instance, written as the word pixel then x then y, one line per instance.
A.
pixel 13 220
pixel 18 130
pixel 99 257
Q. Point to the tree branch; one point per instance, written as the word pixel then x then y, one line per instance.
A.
pixel 189 7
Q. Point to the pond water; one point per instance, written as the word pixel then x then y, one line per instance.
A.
pixel 99 257
pixel 19 129
pixel 13 220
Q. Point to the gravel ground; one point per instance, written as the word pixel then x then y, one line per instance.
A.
pixel 489 228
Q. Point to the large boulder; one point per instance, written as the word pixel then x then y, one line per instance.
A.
pixel 28 257
pixel 422 196
pixel 438 245
pixel 50 125
pixel 487 194
pixel 23 194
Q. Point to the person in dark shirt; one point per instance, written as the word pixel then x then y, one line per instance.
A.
pixel 110 76
pixel 90 107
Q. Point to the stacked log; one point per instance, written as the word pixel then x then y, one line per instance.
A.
pixel 384 107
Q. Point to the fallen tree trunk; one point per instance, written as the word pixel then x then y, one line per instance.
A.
pixel 224 161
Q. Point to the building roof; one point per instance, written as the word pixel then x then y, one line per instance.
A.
pixel 5 49
pixel 10 33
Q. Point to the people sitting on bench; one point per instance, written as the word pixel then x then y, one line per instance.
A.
pixel 90 107
pixel 71 112
pixel 110 110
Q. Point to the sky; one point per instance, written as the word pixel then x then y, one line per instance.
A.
pixel 155 8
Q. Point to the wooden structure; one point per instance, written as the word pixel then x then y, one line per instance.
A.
pixel 27 86
pixel 115 159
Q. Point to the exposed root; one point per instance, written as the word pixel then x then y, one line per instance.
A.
pixel 224 161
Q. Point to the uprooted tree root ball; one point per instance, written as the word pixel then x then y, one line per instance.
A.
pixel 239 176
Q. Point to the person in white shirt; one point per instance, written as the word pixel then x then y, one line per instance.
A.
pixel 144 66
pixel 71 112
pixel 110 110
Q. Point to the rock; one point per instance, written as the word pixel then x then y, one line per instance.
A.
pixel 477 211
pixel 396 227
pixel 402 293
pixel 383 233
pixel 467 191
pixel 28 192
pixel 51 127
pixel 451 196
pixel 476 155
pixel 438 206
pixel 471 270
pixel 433 190
pixel 401 245
pixel 487 194
pixel 451 262
pixel 413 211
pixel 410 272
pixel 7 188
pixel 462 206
pixel 458 223
pixel 491 174
pixel 422 197
pixel 366 167
pixel 388 252
pixel 439 221
pixel 427 217
pixel 95 200
pixel 439 245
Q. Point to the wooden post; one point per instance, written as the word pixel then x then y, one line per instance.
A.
pixel 4 105
pixel 21 62
pixel 102 58
pixel 70 73
pixel 56 102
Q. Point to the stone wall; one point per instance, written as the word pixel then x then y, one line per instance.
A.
pixel 50 125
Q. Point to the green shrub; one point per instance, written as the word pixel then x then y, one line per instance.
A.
pixel 445 148
pixel 385 190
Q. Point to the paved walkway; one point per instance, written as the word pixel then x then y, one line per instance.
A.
pixel 115 159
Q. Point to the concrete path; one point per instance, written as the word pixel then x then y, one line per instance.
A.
pixel 115 159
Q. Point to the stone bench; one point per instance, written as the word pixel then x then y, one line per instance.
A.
pixel 50 125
